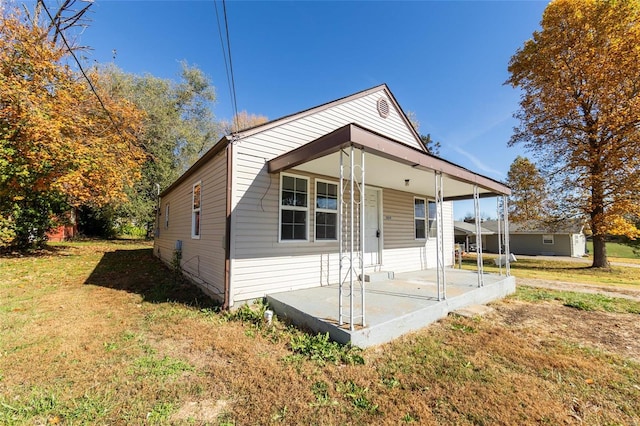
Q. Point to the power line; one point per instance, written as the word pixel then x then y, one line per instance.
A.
pixel 224 53
pixel 84 74
pixel 228 66
pixel 233 82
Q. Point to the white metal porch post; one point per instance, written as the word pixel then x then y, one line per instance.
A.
pixel 442 283
pixel 476 208
pixel 362 236
pixel 351 236
pixel 340 239
pixel 499 213
pixel 507 250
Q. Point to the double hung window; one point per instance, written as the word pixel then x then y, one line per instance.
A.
pixel 326 210
pixel 419 218
pixel 424 216
pixel 433 230
pixel 196 210
pixel 294 208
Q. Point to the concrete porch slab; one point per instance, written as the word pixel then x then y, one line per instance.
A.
pixel 393 307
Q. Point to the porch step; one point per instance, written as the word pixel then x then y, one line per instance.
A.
pixel 373 277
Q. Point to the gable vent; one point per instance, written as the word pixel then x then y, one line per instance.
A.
pixel 383 107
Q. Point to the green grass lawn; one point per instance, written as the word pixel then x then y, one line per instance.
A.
pixel 617 250
pixel 561 270
pixel 101 332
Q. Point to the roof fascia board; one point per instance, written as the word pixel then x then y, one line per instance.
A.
pixel 362 138
pixel 470 197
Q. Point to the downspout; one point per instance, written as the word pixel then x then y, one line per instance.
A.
pixel 227 232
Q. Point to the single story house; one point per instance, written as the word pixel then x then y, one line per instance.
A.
pixel 566 238
pixel 328 195
pixel 465 235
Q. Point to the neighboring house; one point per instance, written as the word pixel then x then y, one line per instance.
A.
pixel 465 235
pixel 280 206
pixel 567 238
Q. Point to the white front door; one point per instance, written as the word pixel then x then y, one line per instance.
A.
pixel 372 231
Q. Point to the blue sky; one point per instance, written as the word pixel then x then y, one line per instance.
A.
pixel 444 60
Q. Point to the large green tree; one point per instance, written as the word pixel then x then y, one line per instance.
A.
pixel 580 109
pixel 178 128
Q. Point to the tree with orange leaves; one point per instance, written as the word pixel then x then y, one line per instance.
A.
pixel 528 192
pixel 60 146
pixel 241 121
pixel 580 110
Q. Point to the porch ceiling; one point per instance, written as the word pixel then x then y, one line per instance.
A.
pixel 388 164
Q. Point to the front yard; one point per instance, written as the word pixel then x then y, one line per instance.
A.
pixel 102 333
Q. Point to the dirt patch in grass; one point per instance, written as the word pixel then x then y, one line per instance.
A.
pixel 611 332
pixel 206 411
pixel 101 333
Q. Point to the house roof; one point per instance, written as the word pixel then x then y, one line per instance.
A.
pixel 225 140
pixel 461 227
pixel 295 116
pixel 565 226
pixel 321 156
pixel 409 163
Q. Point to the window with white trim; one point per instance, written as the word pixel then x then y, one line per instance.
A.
pixel 433 230
pixel 420 217
pixel 326 210
pixel 547 239
pixel 196 210
pixel 166 216
pixel 294 208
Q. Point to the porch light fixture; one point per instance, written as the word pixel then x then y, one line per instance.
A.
pixel 406 182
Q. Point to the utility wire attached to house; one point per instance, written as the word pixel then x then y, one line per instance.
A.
pixel 226 50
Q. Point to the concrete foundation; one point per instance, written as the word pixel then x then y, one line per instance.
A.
pixel 393 307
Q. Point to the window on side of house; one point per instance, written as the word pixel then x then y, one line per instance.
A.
pixel 326 210
pixel 294 208
pixel 166 216
pixel 547 239
pixel 196 210
pixel 420 218
pixel 433 230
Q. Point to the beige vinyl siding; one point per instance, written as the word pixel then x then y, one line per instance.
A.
pixel 402 252
pixel 260 263
pixel 202 259
pixel 449 239
pixel 278 140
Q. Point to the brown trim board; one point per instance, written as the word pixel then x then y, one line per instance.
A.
pixel 374 143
